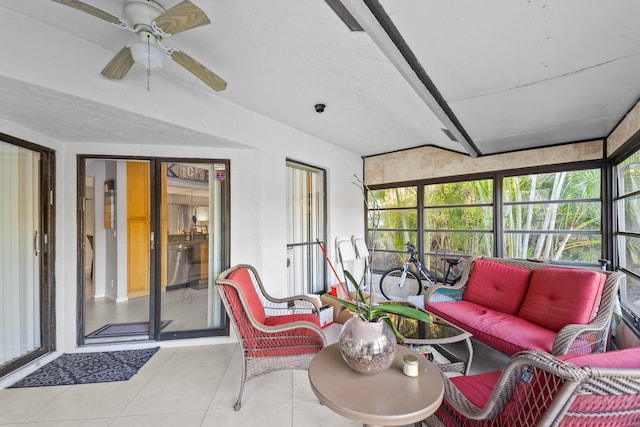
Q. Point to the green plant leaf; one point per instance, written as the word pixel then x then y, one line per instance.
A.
pixel 370 311
pixel 355 285
pixel 403 310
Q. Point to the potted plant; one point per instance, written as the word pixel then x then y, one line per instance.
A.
pixel 368 339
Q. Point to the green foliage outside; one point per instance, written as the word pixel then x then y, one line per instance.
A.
pixel 556 216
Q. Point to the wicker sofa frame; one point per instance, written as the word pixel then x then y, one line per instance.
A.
pixel 571 338
pixel 266 348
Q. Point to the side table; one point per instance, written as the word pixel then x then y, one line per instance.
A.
pixel 389 398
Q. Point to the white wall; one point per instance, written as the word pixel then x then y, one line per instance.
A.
pixel 257 172
pixel 258 217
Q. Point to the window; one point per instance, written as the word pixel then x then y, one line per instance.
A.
pixel 458 218
pixel 396 218
pixel 306 225
pixel 628 230
pixel 554 216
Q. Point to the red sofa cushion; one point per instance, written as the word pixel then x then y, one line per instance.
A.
pixel 561 296
pixel 497 286
pixel 505 332
pixel 243 278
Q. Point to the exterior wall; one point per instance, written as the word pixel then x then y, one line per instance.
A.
pixel 627 128
pixel 432 162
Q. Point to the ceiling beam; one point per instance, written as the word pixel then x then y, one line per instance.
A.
pixel 378 25
pixel 344 14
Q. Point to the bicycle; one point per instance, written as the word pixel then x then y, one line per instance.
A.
pixel 399 283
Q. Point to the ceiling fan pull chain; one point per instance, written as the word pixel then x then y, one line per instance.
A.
pixel 148 62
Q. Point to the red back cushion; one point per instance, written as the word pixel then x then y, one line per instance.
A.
pixel 243 278
pixel 497 286
pixel 560 296
pixel 288 318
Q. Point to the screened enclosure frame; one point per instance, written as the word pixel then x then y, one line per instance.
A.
pixel 631 314
pixel 498 231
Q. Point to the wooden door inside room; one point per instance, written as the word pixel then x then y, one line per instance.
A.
pixel 138 229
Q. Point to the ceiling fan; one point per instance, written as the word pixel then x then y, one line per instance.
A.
pixel 152 23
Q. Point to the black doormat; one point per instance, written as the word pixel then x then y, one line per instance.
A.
pixel 86 368
pixel 123 329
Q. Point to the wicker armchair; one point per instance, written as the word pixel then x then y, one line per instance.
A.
pixel 537 389
pixel 573 338
pixel 296 304
pixel 267 343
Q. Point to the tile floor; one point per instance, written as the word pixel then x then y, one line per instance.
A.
pixel 187 386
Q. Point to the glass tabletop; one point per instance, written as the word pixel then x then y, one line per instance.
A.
pixel 439 331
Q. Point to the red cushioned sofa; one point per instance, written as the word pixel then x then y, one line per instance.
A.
pixel 514 305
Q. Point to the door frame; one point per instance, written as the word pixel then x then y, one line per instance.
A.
pixel 156 194
pixel 155 295
pixel 46 266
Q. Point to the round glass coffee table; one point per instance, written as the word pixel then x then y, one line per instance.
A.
pixel 389 398
pixel 438 332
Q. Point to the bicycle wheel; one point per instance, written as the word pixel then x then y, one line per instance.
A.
pixel 394 289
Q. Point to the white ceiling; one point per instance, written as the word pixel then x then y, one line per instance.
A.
pixel 506 74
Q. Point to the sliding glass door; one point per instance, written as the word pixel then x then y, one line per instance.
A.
pixel 193 237
pixel 154 237
pixel 24 268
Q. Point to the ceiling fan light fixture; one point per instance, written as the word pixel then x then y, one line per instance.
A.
pixel 147 56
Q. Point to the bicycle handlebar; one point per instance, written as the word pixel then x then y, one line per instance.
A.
pixel 451 261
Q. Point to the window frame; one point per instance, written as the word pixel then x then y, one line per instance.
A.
pixel 379 209
pixel 573 167
pixel 313 270
pixel 498 228
pixel 432 254
pixel 631 317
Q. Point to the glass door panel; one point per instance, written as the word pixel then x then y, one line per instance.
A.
pixel 117 227
pixel 193 235
pixel 20 253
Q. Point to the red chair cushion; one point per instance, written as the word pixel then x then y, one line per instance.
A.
pixel 497 286
pixel 627 358
pixel 243 278
pixel 477 388
pixel 561 296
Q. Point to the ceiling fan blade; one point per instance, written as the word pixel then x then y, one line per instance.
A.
pixel 210 78
pixel 91 10
pixel 120 65
pixel 181 17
